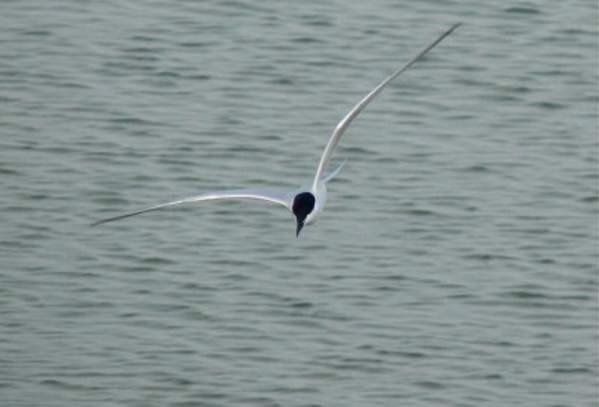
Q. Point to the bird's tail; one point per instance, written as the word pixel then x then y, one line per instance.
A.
pixel 333 173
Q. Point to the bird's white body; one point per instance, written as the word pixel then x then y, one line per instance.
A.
pixel 306 203
pixel 320 193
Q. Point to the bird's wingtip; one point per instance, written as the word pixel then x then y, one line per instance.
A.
pixel 456 25
pixel 96 223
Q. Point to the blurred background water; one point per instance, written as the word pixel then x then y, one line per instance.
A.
pixel 456 263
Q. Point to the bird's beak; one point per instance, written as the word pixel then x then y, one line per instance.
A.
pixel 300 225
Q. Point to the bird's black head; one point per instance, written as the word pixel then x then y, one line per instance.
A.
pixel 303 204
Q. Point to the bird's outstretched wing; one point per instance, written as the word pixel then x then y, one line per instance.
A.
pixel 280 196
pixel 344 123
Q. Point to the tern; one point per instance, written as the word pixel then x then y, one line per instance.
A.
pixel 307 202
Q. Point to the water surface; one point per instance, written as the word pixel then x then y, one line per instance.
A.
pixel 456 263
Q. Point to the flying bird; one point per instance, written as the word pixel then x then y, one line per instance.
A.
pixel 307 202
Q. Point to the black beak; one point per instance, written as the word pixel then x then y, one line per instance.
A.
pixel 300 225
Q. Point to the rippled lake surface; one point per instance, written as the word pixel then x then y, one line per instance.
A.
pixel 456 263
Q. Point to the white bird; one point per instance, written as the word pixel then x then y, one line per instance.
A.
pixel 306 203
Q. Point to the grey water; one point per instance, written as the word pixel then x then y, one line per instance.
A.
pixel 456 263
